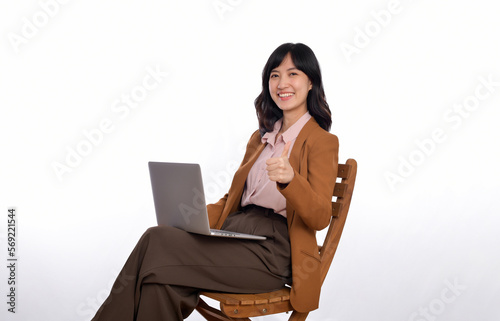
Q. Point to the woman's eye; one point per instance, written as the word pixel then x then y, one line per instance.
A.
pixel 293 74
pixel 274 75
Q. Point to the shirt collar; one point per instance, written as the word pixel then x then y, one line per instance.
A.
pixel 290 134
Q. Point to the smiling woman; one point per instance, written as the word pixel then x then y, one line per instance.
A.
pixel 282 190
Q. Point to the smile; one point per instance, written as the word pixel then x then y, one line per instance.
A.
pixel 285 95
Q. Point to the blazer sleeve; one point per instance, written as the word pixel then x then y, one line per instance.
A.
pixel 215 211
pixel 310 194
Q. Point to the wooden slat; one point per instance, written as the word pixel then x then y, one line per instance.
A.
pixel 343 170
pixel 339 189
pixel 251 299
pixel 336 209
pixel 241 311
pixel 276 296
pixel 241 299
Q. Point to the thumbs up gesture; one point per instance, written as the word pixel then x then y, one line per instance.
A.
pixel 279 169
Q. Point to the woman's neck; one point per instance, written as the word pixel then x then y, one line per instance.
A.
pixel 290 118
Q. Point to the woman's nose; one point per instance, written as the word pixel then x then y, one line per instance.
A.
pixel 283 83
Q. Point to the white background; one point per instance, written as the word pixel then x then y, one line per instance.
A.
pixel 422 246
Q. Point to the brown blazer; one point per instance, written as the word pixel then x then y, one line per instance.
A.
pixel 314 158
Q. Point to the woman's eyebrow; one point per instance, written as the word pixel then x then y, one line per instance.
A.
pixel 293 68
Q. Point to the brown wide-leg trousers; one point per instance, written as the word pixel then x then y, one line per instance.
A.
pixel 168 267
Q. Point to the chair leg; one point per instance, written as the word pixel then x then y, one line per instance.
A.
pixel 209 313
pixel 296 316
pixel 212 314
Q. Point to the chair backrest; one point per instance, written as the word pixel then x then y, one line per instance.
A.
pixel 340 207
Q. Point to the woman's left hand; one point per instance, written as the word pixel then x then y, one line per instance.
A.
pixel 279 169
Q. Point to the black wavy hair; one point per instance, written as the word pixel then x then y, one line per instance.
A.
pixel 305 60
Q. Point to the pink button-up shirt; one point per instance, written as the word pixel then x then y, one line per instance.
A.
pixel 259 189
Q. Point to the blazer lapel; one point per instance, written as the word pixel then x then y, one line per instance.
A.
pixel 297 150
pixel 243 171
pixel 236 190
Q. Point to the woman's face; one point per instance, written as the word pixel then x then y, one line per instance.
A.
pixel 289 87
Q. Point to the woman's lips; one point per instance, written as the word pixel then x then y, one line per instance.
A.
pixel 285 96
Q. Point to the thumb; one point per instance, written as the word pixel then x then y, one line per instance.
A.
pixel 286 149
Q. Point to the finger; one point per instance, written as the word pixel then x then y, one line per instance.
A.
pixel 272 161
pixel 273 167
pixel 286 149
pixel 273 177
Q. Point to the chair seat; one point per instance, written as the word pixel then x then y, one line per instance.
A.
pixel 246 305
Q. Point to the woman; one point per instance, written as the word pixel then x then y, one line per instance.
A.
pixel 282 190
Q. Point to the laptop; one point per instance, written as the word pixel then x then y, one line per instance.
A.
pixel 180 201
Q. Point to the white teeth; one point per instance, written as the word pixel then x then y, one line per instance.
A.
pixel 285 95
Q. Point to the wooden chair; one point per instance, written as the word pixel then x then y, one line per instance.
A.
pixel 239 307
